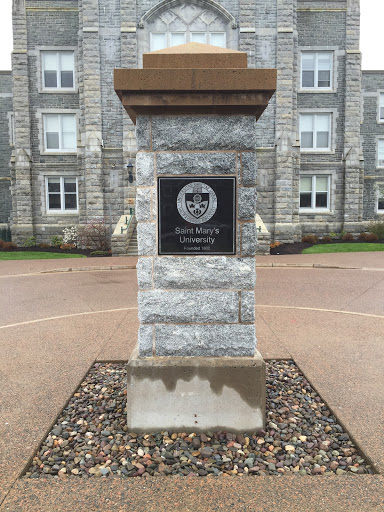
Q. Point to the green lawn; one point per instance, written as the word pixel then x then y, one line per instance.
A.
pixel 324 248
pixel 35 255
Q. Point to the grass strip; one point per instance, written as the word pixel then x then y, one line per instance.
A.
pixel 35 255
pixel 327 248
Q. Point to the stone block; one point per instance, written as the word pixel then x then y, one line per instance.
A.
pixel 145 340
pixel 143 210
pixel 248 169
pixel 196 394
pixel 196 163
pixel 207 272
pixel 146 238
pixel 236 340
pixel 248 239
pixel 160 306
pixel 143 132
pixel 145 169
pixel 144 273
pixel 203 133
pixel 246 203
pixel 247 309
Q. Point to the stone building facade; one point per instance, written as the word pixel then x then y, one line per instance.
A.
pixel 319 143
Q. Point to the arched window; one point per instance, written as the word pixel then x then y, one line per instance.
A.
pixel 174 22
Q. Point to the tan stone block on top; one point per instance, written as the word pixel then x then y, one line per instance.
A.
pixel 195 55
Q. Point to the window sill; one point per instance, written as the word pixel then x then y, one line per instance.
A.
pixel 315 212
pixel 317 91
pixel 58 91
pixel 317 151
pixel 59 212
pixel 58 153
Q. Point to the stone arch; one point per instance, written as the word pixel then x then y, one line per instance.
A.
pixel 187 19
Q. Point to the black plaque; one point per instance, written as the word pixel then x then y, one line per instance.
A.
pixel 197 215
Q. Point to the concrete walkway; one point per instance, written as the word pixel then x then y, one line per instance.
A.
pixel 329 320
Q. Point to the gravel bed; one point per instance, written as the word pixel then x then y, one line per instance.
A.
pixel 91 438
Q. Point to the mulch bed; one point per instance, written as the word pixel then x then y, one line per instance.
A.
pixel 91 439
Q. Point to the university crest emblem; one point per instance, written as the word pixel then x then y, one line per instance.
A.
pixel 196 202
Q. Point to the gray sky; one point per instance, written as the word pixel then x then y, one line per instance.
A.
pixel 372 15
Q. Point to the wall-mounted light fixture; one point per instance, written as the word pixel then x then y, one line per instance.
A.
pixel 130 169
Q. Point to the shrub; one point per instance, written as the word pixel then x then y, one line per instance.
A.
pixel 371 237
pixel 348 237
pixel 44 246
pixel 56 241
pixel 310 239
pixel 70 235
pixel 94 236
pixel 363 236
pixel 327 239
pixel 332 234
pixel 9 246
pixel 30 242
pixel 377 228
pixel 67 247
pixel 273 245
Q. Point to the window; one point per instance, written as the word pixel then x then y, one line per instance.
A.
pixel 58 70
pixel 315 132
pixel 314 193
pixel 59 132
pixel 12 128
pixel 62 194
pixel 380 153
pixel 316 70
pixel 161 40
pixel 381 107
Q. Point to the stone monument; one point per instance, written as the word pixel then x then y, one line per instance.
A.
pixel 196 366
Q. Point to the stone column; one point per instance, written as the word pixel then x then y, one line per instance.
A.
pixel 195 207
pixel 287 161
pixel 92 119
pixel 21 172
pixel 353 180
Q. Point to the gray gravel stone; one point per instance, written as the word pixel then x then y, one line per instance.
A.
pixel 146 238
pixel 145 341
pixel 203 133
pixel 196 163
pixel 159 306
pixel 205 340
pixel 145 169
pixel 247 203
pixel 247 307
pixel 143 131
pixel 208 272
pixel 248 239
pixel 249 169
pixel 144 273
pixel 143 207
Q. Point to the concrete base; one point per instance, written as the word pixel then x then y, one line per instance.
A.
pixel 196 394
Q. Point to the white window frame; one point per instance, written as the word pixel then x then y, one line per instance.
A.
pixel 380 194
pixel 187 36
pixel 317 53
pixel 313 207
pixel 58 71
pixel 62 196
pixel 378 164
pixel 315 149
pixel 380 114
pixel 60 148
pixel 12 131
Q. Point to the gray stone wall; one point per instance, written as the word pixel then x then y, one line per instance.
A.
pixel 219 300
pixel 273 32
pixel 371 130
pixel 6 108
